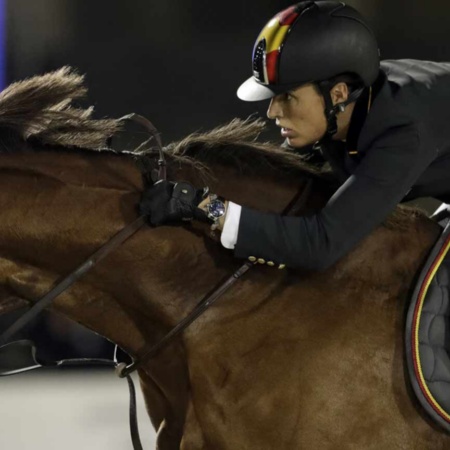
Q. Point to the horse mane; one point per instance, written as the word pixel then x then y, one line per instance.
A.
pixel 236 145
pixel 39 109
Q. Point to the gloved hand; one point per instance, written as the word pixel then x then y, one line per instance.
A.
pixel 168 202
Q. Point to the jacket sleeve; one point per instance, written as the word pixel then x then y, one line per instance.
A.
pixel 389 169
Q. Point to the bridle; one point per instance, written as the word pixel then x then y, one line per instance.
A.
pixel 124 370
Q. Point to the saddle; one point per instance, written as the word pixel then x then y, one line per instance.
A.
pixel 428 333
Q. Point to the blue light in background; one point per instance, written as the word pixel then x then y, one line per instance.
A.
pixel 2 44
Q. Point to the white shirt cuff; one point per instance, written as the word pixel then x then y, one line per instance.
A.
pixel 231 226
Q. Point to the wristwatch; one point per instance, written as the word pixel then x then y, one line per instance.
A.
pixel 215 209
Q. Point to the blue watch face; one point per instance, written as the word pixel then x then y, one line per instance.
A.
pixel 216 208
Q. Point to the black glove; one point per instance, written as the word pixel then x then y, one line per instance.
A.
pixel 166 202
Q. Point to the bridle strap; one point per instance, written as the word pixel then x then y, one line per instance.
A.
pixel 162 165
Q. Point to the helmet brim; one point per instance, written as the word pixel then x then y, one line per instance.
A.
pixel 252 91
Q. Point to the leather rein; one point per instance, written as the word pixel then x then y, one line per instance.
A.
pixel 122 369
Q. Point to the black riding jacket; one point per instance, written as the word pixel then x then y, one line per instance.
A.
pixel 403 152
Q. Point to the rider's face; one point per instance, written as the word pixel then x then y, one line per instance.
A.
pixel 300 114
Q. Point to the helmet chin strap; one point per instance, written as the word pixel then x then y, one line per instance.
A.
pixel 332 110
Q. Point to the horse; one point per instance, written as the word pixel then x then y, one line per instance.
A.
pixel 286 359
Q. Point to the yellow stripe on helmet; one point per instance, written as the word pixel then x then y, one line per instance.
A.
pixel 274 34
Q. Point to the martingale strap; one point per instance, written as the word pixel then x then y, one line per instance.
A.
pixel 427 325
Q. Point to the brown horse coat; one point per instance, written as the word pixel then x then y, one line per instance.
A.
pixel 286 360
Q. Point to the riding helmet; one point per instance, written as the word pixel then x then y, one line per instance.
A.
pixel 311 42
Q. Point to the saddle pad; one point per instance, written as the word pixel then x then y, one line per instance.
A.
pixel 428 334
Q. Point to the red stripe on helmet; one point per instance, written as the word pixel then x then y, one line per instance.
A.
pixel 272 66
pixel 288 16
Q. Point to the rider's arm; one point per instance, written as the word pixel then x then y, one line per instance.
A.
pixel 387 172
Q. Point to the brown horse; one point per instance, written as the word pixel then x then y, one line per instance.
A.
pixel 286 359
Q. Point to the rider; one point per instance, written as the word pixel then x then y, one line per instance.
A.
pixel 382 127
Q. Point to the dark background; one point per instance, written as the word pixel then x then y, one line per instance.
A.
pixel 179 63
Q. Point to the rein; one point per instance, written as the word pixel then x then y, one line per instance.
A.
pixel 46 300
pixel 111 245
pixel 122 369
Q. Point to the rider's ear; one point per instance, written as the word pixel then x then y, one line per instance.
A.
pixel 339 93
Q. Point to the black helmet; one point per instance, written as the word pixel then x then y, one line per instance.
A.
pixel 311 42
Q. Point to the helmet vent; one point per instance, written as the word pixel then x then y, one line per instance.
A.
pixel 258 61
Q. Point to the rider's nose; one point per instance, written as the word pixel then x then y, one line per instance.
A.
pixel 274 109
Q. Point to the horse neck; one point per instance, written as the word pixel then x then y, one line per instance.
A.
pixel 404 242
pixel 268 193
pixel 58 207
pixel 62 194
pixel 194 260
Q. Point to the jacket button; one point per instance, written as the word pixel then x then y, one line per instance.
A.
pixel 282 266
pixel 252 258
pixel 261 261
pixel 270 263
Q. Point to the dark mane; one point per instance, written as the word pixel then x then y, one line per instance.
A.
pixel 39 109
pixel 236 145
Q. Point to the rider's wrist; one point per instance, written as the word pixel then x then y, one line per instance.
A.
pixel 222 219
pixel 216 210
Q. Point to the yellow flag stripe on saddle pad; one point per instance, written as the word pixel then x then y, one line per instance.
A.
pixel 416 325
